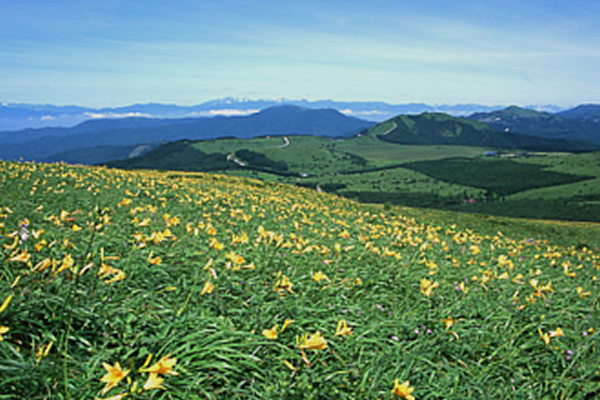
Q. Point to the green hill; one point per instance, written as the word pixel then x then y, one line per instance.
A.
pixel 436 128
pixel 180 155
pixel 586 112
pixel 577 124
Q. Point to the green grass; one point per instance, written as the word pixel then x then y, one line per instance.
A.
pixel 541 185
pixel 117 302
pixel 304 154
pixel 503 177
pixel 587 164
pixel 382 153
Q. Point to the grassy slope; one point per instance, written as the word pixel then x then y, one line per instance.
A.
pixel 437 128
pixel 557 186
pixel 142 305
pixel 579 200
pixel 380 153
pixel 578 164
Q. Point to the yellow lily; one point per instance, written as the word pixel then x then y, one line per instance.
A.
pixel 343 329
pixel 315 342
pixel 271 333
pixel 114 375
pixel 154 382
pixel 162 366
pixel 403 390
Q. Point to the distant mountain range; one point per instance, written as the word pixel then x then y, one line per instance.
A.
pixel 581 123
pixel 586 112
pixel 101 140
pixel 15 116
pixel 443 129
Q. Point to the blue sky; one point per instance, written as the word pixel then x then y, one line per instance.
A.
pixel 108 53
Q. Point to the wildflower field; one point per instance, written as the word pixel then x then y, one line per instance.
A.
pixel 138 285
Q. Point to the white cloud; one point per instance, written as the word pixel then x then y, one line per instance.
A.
pixel 115 115
pixel 225 112
pixel 348 111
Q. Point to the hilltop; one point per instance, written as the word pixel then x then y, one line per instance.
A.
pixel 587 112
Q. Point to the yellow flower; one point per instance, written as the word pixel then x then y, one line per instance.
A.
pixel 119 276
pixel 540 290
pixel 208 288
pixel 286 323
pixel 315 342
pixel 142 223
pixel 517 278
pixel 403 390
pixel 154 260
pixel 448 322
pixel 289 365
pixel 3 330
pixel 547 288
pixel 545 337
pixel 319 276
pixel 23 257
pixel 504 275
pixel 581 293
pixel 154 382
pixel 212 231
pixel 235 258
pixel 13 245
pixel 358 281
pixel 113 377
pixel 43 351
pixel 163 366
pixel 557 332
pixel 42 265
pixel 15 282
pixel 427 286
pixel 215 244
pixel 116 397
pixel 271 333
pixel 40 245
pixel 6 303
pixel 343 329
pixel 283 284
pixel 66 263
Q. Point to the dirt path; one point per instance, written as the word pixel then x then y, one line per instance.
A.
pixel 231 158
pixel 391 129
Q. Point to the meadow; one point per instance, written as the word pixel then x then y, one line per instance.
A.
pixel 543 185
pixel 175 285
pixel 564 186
